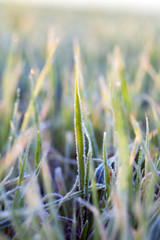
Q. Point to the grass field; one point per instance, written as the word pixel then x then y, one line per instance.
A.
pixel 79 124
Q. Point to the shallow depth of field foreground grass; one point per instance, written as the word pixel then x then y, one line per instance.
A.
pixel 79 126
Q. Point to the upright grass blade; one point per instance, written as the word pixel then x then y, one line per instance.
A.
pixel 92 136
pixel 106 100
pixel 120 97
pixel 147 146
pixel 20 180
pixel 51 73
pixel 14 123
pixel 124 174
pixel 10 78
pixel 37 125
pixel 122 79
pixel 57 231
pixel 74 221
pixel 84 231
pixel 155 112
pixel 150 192
pixel 150 162
pixel 38 149
pixel 79 134
pixel 123 146
pixel 95 201
pixel 139 174
pixel 106 172
pixel 89 156
pixel 38 86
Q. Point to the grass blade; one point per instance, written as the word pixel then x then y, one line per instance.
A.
pixel 9 159
pixel 89 156
pixel 38 86
pixel 150 162
pixel 79 134
pixel 106 172
pixel 17 195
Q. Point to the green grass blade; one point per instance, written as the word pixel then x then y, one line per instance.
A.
pixel 79 134
pixel 10 158
pixel 17 195
pixel 89 156
pixel 92 138
pixel 124 188
pixel 123 145
pixel 37 125
pixel 150 162
pixel 84 231
pixel 74 225
pixel 139 174
pixel 106 172
pixel 147 146
pixel 124 87
pixel 57 230
pixel 95 201
pixel 38 86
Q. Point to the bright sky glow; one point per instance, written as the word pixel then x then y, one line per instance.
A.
pixel 132 5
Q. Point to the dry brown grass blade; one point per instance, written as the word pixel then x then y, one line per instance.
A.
pixel 9 159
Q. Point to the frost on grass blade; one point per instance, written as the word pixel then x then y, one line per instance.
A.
pixel 86 185
pixel 106 172
pixel 147 153
pixel 79 134
pixel 87 165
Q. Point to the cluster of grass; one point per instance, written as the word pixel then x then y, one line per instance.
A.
pixel 105 184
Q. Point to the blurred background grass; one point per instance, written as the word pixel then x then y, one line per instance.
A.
pixel 25 29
